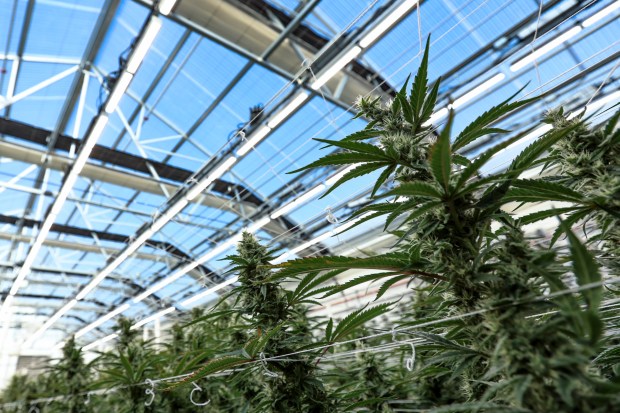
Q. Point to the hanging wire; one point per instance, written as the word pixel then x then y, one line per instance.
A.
pixel 540 7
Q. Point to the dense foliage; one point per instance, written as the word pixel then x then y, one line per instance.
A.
pixel 500 321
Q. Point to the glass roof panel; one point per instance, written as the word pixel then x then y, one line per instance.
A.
pixel 203 75
pixel 41 108
pixel 124 27
pixel 12 11
pixel 49 38
pixel 92 99
pixel 165 42
pixel 255 88
pixel 341 13
pixel 6 66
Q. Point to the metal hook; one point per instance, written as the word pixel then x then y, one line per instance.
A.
pixel 306 63
pixel 197 388
pixel 192 180
pixel 331 218
pixel 263 361
pixel 393 333
pixel 87 401
pixel 150 392
pixel 411 360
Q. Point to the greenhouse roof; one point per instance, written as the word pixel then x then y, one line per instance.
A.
pixel 127 206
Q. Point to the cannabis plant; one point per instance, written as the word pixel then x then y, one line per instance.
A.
pixel 73 378
pixel 20 390
pixel 588 162
pixel 488 348
pixel 274 326
pixel 127 368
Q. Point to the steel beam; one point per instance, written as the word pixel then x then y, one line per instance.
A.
pixel 94 44
pixel 75 246
pixel 123 179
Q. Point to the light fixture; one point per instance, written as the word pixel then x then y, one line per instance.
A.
pixel 205 182
pixel 367 244
pixel 536 133
pixel 349 224
pixel 97 130
pixel 320 238
pixel 65 309
pixel 187 268
pixel 208 256
pixel 336 67
pixel 137 56
pixel 170 213
pixel 298 201
pixel 209 291
pixel 599 103
pixel 19 280
pixel 604 12
pixel 49 322
pixel 101 320
pixel 520 64
pixel 436 117
pixel 99 342
pixel 303 246
pixel 59 201
pixel 386 23
pixel 336 177
pixel 121 85
pixel 153 317
pixel 478 90
pixel 258 224
pixel 220 248
pixel 30 257
pixel 62 195
pixel 255 138
pixel 288 109
pixel 5 310
pixel 95 282
pixel 165 6
pixel 161 284
pixel 133 247
pixel 89 144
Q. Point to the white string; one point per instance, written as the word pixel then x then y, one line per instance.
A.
pixel 419 28
pixel 611 72
pixel 540 7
